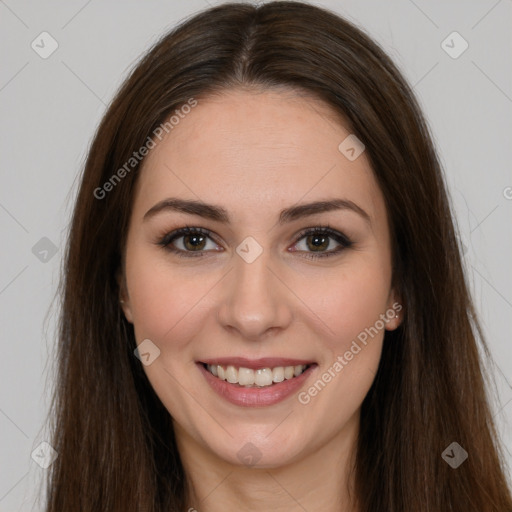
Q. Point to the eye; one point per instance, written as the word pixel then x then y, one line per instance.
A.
pixel 193 242
pixel 318 239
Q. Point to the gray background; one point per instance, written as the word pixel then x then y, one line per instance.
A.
pixel 51 107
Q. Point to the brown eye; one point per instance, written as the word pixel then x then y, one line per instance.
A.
pixel 193 242
pixel 188 242
pixel 317 242
pixel 319 239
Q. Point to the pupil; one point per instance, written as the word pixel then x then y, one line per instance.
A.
pixel 315 239
pixel 195 239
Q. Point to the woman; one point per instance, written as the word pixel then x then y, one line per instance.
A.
pixel 263 301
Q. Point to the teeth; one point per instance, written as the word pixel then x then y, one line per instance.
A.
pixel 288 372
pixel 263 377
pixel 255 378
pixel 245 376
pixel 278 374
pixel 231 374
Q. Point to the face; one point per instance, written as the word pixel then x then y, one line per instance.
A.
pixel 253 288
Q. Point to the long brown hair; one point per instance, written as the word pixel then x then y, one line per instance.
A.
pixel 116 446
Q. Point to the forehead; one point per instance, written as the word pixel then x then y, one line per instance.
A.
pixel 256 151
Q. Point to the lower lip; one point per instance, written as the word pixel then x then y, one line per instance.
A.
pixel 256 397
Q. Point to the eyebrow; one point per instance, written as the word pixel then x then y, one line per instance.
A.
pixel 219 214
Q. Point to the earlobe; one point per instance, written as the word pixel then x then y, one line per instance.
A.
pixel 394 313
pixel 126 310
pixel 124 301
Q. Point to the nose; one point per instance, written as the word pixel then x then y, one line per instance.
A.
pixel 255 301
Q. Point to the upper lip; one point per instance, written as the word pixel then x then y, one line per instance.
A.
pixel 255 364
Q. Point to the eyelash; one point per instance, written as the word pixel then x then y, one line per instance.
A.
pixel 343 240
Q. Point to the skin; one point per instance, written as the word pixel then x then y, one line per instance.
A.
pixel 255 153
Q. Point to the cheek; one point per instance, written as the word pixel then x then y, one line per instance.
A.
pixel 348 302
pixel 352 345
pixel 166 303
pixel 168 306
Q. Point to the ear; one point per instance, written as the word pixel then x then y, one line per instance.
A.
pixel 394 312
pixel 124 298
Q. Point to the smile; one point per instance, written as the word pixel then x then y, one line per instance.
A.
pixel 256 383
pixel 262 377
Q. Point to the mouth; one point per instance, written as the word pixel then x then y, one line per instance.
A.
pixel 253 383
pixel 255 378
